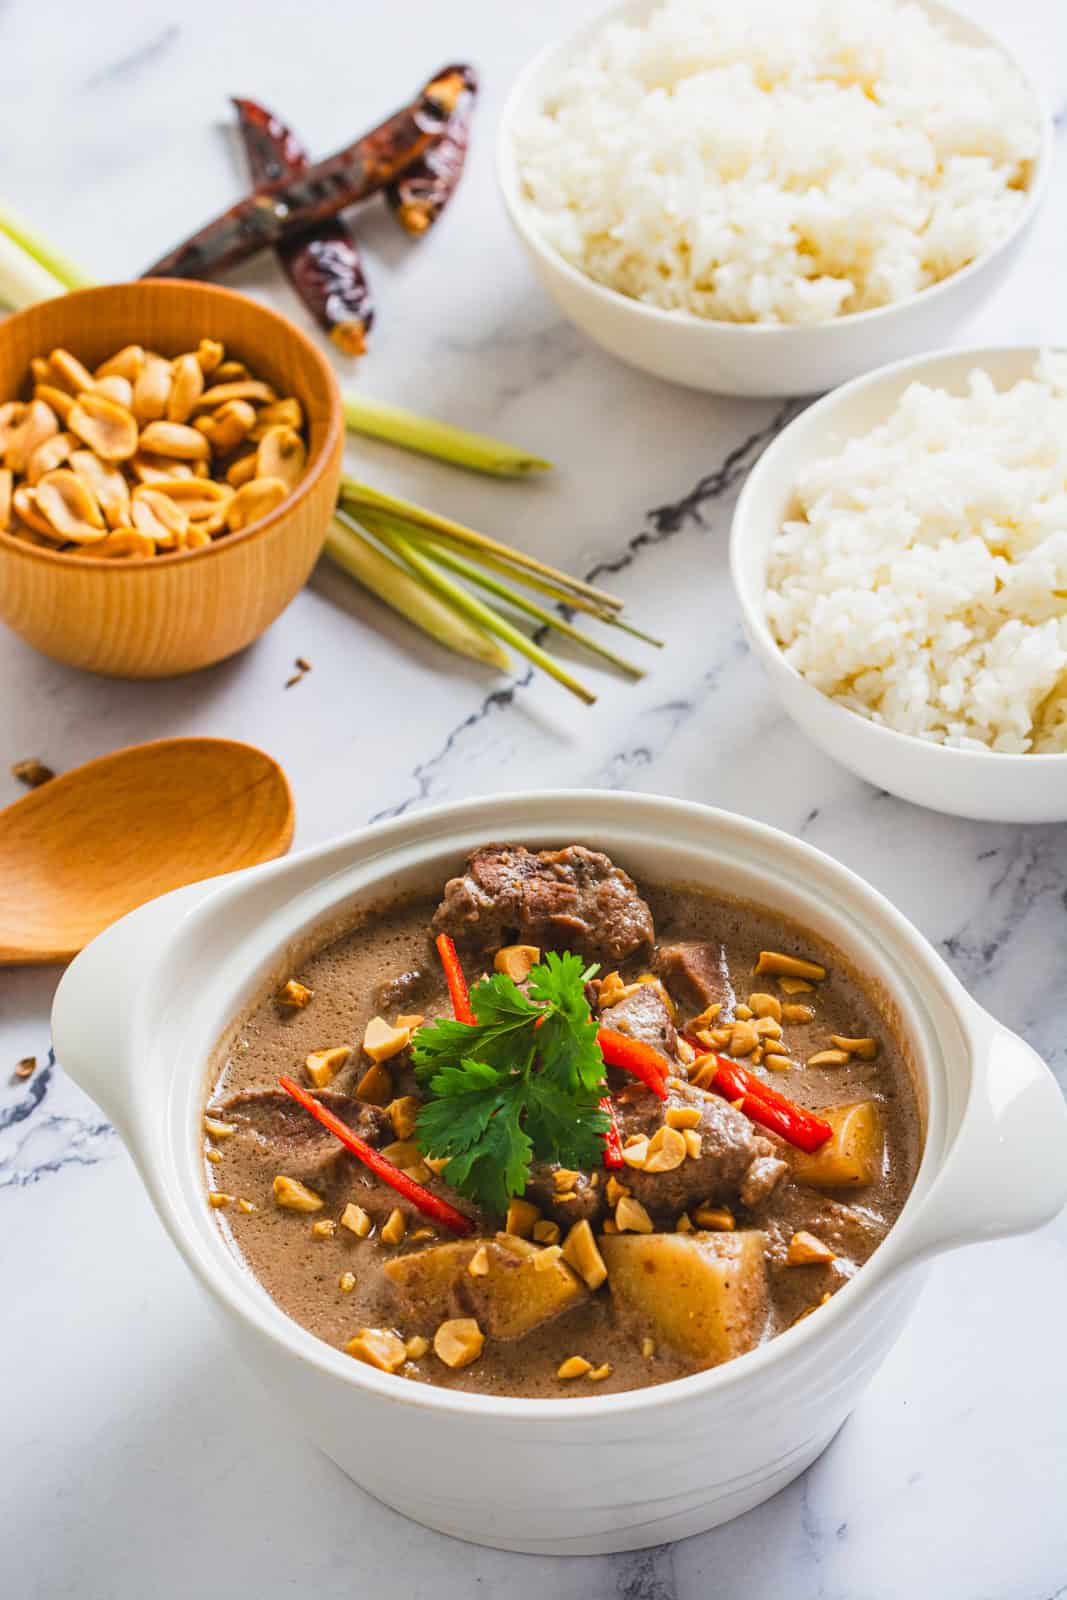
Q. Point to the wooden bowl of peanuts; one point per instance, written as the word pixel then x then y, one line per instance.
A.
pixel 169 461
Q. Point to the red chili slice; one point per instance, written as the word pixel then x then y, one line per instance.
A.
pixel 457 983
pixel 765 1105
pixel 612 1142
pixel 636 1057
pixel 430 1205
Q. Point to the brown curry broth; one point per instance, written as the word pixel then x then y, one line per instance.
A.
pixel 302 1272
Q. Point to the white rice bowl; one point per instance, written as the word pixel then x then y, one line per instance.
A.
pixel 778 161
pixel 923 582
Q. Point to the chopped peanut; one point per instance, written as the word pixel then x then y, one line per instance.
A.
pixel 574 1367
pixel 805 1250
pixel 294 995
pixel 789 966
pixel 394 1228
pixel 609 1225
pixel 767 1028
pixel 693 1143
pixel 718 1218
pixel 422 1233
pixel 375 1086
pixel 829 1058
pixel 381 1041
pixel 564 1199
pixel 666 1150
pixel 648 1347
pixel 685 1052
pixel 247 1207
pixel 478 1265
pixel 217 1200
pixel 797 1013
pixel 564 1178
pixel 325 1228
pixel 323 1065
pixel 706 1017
pixel 866 1049
pixel 521 1218
pixel 684 1224
pixel 809 1309
pixel 634 1153
pixel 546 1232
pixel 437 1164
pixel 743 1039
pixel 356 1220
pixel 403 1154
pixel 611 989
pixel 703 1073
pixel 219 1130
pixel 416 1347
pixel 600 1373
pixel 378 1348
pixel 580 1252
pixel 631 1216
pixel 778 1063
pixel 766 1005
pixel 743 1013
pixel 213 1155
pixel 292 1195
pixel 402 1114
pixel 458 1342
pixel 516 960
pixel 683 1116
pixel 795 986
pixel 547 1257
pixel 410 1020
pixel 615 1190
pixel 346 1282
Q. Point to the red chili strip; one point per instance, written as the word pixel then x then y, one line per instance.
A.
pixel 457 983
pixel 612 1141
pixel 765 1105
pixel 636 1057
pixel 429 1204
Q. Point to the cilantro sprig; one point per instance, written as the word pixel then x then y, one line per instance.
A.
pixel 519 1085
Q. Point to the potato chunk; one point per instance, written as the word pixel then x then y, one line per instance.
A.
pixel 517 1291
pixel 852 1157
pixel 703 1294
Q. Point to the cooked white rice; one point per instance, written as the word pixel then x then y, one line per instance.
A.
pixel 778 160
pixel 925 584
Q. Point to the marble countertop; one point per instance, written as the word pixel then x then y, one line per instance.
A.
pixel 137 1458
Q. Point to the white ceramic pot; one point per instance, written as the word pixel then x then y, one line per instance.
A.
pixel 138 1013
pixel 749 358
pixel 986 785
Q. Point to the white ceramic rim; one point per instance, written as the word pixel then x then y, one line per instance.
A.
pixel 759 634
pixel 224 1276
pixel 518 207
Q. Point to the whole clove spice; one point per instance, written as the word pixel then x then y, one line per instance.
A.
pixel 32 772
pixel 293 204
pixel 418 197
pixel 324 264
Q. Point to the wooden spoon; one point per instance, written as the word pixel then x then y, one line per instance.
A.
pixel 85 848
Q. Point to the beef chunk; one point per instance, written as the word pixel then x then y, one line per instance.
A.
pixel 644 1016
pixel 731 1153
pixel 588 1206
pixel 273 1128
pixel 573 899
pixel 695 972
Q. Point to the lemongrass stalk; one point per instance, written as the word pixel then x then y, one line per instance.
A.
pixel 28 239
pixel 548 619
pixel 429 437
pixel 485 616
pixel 23 281
pixel 396 585
pixel 362 497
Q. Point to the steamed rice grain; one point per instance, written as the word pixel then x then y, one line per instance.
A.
pixel 778 161
pixel 924 582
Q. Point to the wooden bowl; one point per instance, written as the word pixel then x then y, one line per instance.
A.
pixel 169 614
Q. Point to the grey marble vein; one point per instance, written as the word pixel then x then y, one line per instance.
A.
pixel 126 66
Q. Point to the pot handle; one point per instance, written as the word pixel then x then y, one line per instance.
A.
pixel 95 1011
pixel 1006 1169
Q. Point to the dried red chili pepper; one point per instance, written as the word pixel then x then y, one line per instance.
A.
pixel 293 204
pixel 323 265
pixel 418 197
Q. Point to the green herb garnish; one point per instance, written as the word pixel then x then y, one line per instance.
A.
pixel 520 1085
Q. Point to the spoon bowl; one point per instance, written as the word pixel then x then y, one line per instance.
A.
pixel 87 847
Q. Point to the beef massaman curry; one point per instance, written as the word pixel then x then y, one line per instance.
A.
pixel 657 1129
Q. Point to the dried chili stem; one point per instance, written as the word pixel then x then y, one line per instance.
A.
pixel 301 201
pixel 429 437
pixel 397 587
pixel 485 616
pixel 361 497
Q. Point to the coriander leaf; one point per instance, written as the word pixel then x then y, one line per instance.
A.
pixel 567 1040
pixel 481 1133
pixel 562 1127
pixel 469 1075
pixel 498 1002
pixel 503 1012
